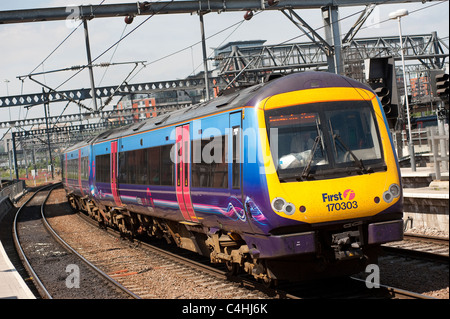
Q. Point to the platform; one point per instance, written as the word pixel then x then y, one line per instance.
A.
pixel 426 200
pixel 12 286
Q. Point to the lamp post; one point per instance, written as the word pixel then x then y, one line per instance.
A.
pixel 397 15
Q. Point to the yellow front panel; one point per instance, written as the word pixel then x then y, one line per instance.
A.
pixel 332 199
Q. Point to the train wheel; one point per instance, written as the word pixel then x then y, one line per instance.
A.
pixel 270 282
pixel 233 269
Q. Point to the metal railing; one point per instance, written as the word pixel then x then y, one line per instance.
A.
pixel 429 143
pixel 439 151
pixel 13 189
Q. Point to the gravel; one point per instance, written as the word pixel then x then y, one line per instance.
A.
pixel 427 232
pixel 165 281
pixel 147 274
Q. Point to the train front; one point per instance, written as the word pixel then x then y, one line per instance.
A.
pixel 332 177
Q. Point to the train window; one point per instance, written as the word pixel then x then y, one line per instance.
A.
pixel 84 168
pixel 140 167
pixel 129 169
pixel 150 166
pixel 209 165
pixel 103 168
pixel 297 135
pixel 123 176
pixel 167 166
pixel 154 163
pixel 353 131
pixel 72 168
pixel 318 140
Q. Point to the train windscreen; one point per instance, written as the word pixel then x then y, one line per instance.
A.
pixel 324 139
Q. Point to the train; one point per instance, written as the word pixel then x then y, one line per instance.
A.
pixel 291 179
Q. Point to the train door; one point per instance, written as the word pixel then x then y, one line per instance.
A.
pixel 236 169
pixel 114 172
pixel 79 173
pixel 235 151
pixel 183 173
pixel 65 170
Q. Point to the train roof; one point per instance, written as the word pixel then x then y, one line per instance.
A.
pixel 249 97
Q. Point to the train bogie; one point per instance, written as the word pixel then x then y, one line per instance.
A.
pixel 280 180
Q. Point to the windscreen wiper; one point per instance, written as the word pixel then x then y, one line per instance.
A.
pixel 355 158
pixel 307 168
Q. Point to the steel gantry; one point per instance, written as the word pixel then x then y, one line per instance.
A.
pixel 254 61
pixel 173 7
pixel 332 44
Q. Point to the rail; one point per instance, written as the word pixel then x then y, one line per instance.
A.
pixel 39 285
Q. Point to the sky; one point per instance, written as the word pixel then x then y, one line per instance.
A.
pixel 24 46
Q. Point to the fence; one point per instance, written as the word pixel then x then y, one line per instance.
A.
pixel 428 143
pixel 12 190
pixel 439 157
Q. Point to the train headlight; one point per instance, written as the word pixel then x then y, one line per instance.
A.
pixel 281 206
pixel 387 196
pixel 278 204
pixel 289 209
pixel 395 190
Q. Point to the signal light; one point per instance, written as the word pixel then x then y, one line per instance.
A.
pixel 384 95
pixel 380 75
pixel 442 85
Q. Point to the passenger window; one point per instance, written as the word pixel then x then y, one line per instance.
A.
pixel 209 165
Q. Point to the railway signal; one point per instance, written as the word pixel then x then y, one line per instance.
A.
pixel 380 75
pixel 439 84
pixel 442 85
pixel 384 95
pixel 440 91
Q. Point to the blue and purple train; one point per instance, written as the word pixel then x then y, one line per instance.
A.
pixel 295 178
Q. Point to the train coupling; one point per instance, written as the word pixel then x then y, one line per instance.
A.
pixel 347 245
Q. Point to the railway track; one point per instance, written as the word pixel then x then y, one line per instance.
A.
pixel 129 263
pixel 145 269
pixel 420 246
pixel 57 272
pixel 154 272
pixel 418 263
pixel 340 288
